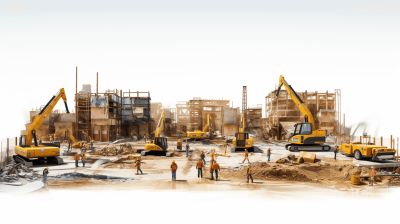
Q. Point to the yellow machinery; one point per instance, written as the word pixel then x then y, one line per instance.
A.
pixel 75 143
pixel 197 134
pixel 160 144
pixel 26 150
pixel 367 151
pixel 242 140
pixel 305 136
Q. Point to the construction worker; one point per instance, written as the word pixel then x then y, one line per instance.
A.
pixel 269 153
pixel 371 183
pixel 187 149
pixel 249 174
pixel 246 156
pixel 203 156
pixel 83 155
pixel 336 151
pixel 174 167
pixel 76 157
pixel 199 167
pixel 138 166
pixel 212 155
pixel 212 170
pixel 216 169
pixel 45 173
pixel 117 136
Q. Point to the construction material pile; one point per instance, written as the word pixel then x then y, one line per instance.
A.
pixel 14 170
pixel 115 149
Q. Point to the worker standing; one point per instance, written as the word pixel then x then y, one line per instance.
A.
pixel 269 154
pixel 174 167
pixel 212 156
pixel 246 156
pixel 187 149
pixel 83 155
pixel 76 157
pixel 212 170
pixel 199 167
pixel 216 169
pixel 249 174
pixel 371 183
pixel 117 136
pixel 203 156
pixel 138 166
pixel 45 173
pixel 335 151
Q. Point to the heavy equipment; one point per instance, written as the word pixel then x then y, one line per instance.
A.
pixel 305 136
pixel 49 152
pixel 242 140
pixel 75 143
pixel 367 151
pixel 159 145
pixel 198 134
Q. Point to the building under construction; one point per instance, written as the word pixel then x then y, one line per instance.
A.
pixel 282 114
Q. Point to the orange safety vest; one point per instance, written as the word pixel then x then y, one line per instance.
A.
pixel 269 151
pixel 83 156
pixel 211 168
pixel 212 155
pixel 199 164
pixel 137 163
pixel 246 153
pixel 76 157
pixel 174 166
pixel 249 170
pixel 216 166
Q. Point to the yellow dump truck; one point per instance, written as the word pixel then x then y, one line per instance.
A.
pixel 365 151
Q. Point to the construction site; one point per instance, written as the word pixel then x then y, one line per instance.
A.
pixel 121 139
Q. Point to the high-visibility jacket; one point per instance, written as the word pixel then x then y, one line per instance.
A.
pixel 200 164
pixel 212 155
pixel 269 151
pixel 83 156
pixel 211 168
pixel 246 153
pixel 174 167
pixel 76 157
pixel 248 170
pixel 137 162
pixel 372 172
pixel 216 166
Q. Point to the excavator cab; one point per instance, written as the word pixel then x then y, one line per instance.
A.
pixel 241 139
pixel 161 142
pixel 302 129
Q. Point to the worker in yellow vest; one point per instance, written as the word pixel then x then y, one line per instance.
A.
pixel 83 155
pixel 138 166
pixel 249 174
pixel 173 167
pixel 212 170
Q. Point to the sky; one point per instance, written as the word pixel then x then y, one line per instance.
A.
pixel 182 49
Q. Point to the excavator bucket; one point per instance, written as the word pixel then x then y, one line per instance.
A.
pixel 307 157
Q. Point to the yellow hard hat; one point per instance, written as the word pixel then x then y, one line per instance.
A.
pixel 202 150
pixel 199 158
pixel 47 168
pixel 173 161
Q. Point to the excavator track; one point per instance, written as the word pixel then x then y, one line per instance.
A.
pixel 294 147
pixel 56 160
pixel 155 153
pixel 23 161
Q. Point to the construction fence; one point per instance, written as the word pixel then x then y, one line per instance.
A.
pixel 7 151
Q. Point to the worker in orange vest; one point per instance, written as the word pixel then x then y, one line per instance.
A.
pixel 212 170
pixel 199 167
pixel 269 154
pixel 174 167
pixel 138 166
pixel 246 156
pixel 372 176
pixel 249 174
pixel 212 156
pixel 117 136
pixel 203 156
pixel 76 157
pixel 216 169
pixel 83 155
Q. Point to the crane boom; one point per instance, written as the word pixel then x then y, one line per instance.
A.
pixel 39 119
pixel 299 103
pixel 160 124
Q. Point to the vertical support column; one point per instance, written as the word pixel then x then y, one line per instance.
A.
pixel 397 148
pixel 16 141
pixel 97 85
pixel 344 127
pixel 244 104
pixel 391 141
pixel 8 153
pixel 381 141
pixel 76 104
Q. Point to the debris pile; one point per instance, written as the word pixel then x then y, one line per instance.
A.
pixel 115 149
pixel 14 170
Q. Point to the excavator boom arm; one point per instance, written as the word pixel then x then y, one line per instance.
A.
pixel 160 124
pixel 44 113
pixel 299 103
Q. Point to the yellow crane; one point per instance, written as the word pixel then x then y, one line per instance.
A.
pixel 242 140
pixel 159 145
pixel 305 136
pixel 198 134
pixel 26 150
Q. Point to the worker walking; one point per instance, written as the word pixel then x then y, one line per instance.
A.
pixel 174 167
pixel 269 154
pixel 212 156
pixel 187 149
pixel 249 174
pixel 203 156
pixel 199 167
pixel 83 155
pixel 246 156
pixel 45 173
pixel 138 166
pixel 336 151
pixel 212 170
pixel 216 169
pixel 76 157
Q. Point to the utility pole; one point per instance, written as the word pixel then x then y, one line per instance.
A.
pixel 244 105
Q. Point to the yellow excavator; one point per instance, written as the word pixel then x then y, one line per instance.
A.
pixel 50 152
pixel 242 140
pixel 159 145
pixel 75 143
pixel 305 136
pixel 198 134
